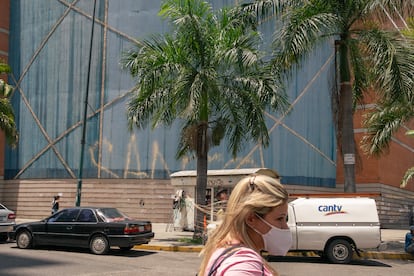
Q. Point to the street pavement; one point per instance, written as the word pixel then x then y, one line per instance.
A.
pixel 168 238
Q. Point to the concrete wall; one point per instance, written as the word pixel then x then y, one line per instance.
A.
pixel 141 199
pixel 394 204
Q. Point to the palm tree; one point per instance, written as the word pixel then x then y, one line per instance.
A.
pixel 369 56
pixel 7 123
pixel 207 73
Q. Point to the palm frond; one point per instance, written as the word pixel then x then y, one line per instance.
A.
pixel 155 67
pixel 7 118
pixel 391 62
pixel 266 8
pixel 188 140
pixel 301 30
pixel 7 122
pixel 178 11
pixel 382 124
pixel 4 68
pixel 5 89
pixel 410 172
pixel 407 177
pixel 361 74
pixel 385 9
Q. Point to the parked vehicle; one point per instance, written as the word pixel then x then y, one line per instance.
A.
pixel 334 227
pixel 96 228
pixel 7 221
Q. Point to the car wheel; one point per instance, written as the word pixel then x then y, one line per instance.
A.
pixel 99 245
pixel 339 251
pixel 125 248
pixel 24 239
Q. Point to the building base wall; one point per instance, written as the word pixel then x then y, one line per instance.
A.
pixel 140 199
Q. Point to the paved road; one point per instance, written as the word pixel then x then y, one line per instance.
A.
pixel 52 261
pixel 300 266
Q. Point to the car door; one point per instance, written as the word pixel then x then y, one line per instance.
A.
pixel 60 228
pixel 85 225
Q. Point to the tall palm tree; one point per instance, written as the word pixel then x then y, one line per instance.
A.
pixel 7 122
pixel 208 73
pixel 369 56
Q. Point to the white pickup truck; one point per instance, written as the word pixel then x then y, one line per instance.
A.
pixel 334 227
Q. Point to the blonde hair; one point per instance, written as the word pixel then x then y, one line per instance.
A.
pixel 253 194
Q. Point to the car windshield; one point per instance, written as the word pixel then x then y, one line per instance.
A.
pixel 112 214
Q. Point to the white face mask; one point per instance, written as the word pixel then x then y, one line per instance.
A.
pixel 276 241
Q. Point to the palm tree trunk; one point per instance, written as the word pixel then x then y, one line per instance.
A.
pixel 201 183
pixel 346 119
pixel 348 142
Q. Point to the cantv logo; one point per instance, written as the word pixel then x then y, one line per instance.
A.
pixel 331 209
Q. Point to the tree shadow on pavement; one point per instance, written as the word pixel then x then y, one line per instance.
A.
pixel 112 252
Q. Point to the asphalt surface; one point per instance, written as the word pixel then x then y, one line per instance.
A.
pixel 168 238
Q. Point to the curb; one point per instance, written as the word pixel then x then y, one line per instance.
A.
pixel 363 255
pixel 174 248
pixel 386 255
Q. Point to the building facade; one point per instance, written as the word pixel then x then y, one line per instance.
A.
pixel 48 46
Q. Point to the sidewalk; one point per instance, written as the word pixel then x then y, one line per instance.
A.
pixel 168 239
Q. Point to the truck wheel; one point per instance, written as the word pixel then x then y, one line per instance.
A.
pixel 339 252
pixel 99 245
pixel 24 239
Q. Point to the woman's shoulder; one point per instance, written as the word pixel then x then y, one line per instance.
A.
pixel 244 261
pixel 237 250
pixel 247 253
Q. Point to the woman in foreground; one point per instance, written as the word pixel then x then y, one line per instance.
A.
pixel 255 221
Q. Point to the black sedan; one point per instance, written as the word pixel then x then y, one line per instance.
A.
pixel 96 228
